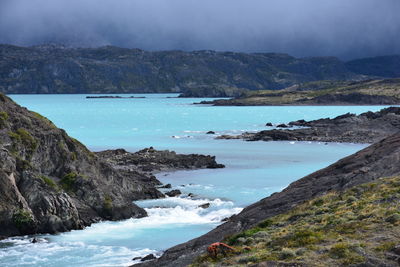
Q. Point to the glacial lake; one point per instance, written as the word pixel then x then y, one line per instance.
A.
pixel 253 170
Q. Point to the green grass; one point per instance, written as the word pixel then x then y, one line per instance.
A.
pixel 44 119
pixel 337 229
pixel 68 181
pixel 3 115
pixel 107 203
pixel 22 218
pixel 49 182
pixel 3 118
pixel 22 136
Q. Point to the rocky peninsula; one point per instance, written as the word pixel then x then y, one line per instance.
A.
pixel 368 127
pixel 50 182
pixel 368 92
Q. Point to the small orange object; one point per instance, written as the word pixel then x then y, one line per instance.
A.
pixel 218 247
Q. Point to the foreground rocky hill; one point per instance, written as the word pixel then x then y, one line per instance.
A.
pixel 368 92
pixel 368 127
pixel 56 69
pixel 358 227
pixel 367 165
pixel 49 182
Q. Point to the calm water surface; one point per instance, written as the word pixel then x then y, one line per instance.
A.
pixel 253 170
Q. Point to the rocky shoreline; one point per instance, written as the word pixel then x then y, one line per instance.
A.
pixel 114 97
pixel 368 127
pixel 376 161
pixel 353 99
pixel 50 182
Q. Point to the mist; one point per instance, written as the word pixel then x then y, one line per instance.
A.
pixel 343 28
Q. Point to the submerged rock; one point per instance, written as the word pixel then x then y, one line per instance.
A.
pixel 148 257
pixel 165 186
pixel 173 193
pixel 204 206
pixel 210 132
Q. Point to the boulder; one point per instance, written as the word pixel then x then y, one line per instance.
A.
pixel 173 193
pixel 148 257
pixel 204 206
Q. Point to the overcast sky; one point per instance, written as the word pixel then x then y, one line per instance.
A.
pixel 343 28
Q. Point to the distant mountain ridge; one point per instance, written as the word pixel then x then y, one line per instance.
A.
pixel 57 69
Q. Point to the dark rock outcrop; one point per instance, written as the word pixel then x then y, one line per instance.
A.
pixel 368 127
pixel 151 160
pixel 205 205
pixel 373 162
pixel 173 193
pixel 148 257
pixel 165 186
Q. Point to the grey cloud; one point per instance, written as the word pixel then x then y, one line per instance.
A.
pixel 344 28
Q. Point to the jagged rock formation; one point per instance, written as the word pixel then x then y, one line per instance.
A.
pixel 49 182
pixel 378 160
pixel 56 69
pixel 368 127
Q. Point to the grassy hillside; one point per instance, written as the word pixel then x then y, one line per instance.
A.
pixel 360 225
pixel 310 92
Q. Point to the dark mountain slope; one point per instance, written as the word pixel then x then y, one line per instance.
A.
pixel 384 66
pixel 378 160
pixel 55 69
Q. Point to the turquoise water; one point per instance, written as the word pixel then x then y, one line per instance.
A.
pixel 253 170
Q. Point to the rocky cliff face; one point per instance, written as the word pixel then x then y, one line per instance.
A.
pixel 49 182
pixel 55 69
pixel 369 164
